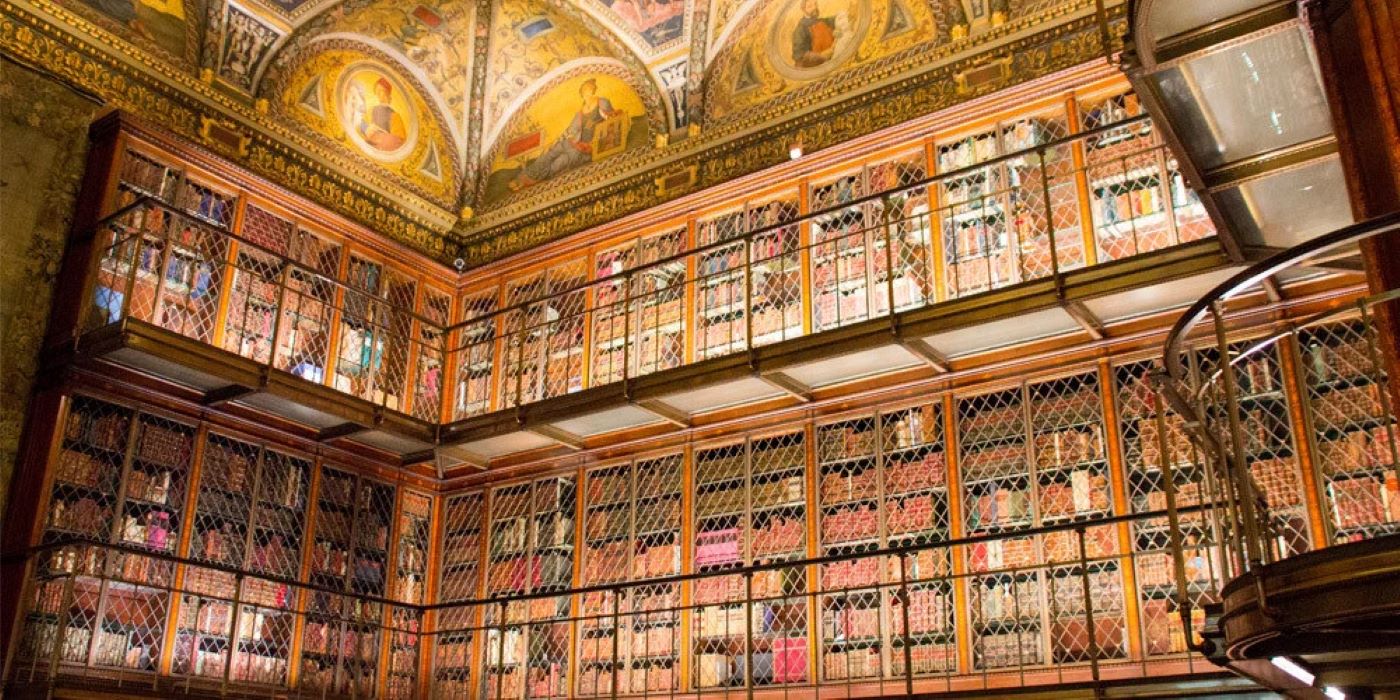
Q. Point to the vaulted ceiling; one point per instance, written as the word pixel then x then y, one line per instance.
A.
pixel 488 110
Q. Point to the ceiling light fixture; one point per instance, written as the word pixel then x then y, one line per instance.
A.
pixel 1334 693
pixel 1291 667
pixel 795 150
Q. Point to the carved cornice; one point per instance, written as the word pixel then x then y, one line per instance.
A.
pixel 93 60
pixel 600 196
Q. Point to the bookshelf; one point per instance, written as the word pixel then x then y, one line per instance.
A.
pixel 476 360
pixel 459 578
pixel 397 325
pixel 375 330
pixel 543 349
pixel 841 252
pixel 883 482
pixel 414 536
pixel 361 351
pixel 859 253
pixel 121 477
pixel 632 532
pixel 996 481
pixel 340 639
pixel 1353 430
pixel 1266 418
pixel 308 307
pixel 996 221
pixel 753 287
pixel 177 259
pixel 255 293
pixel 1072 483
pixel 82 502
pixel 1035 455
pixel 531 550
pixel 1139 201
pixel 1143 422
pixel 428 378
pixel 639 329
pixel 222 525
pixel 750 508
pixel 901 259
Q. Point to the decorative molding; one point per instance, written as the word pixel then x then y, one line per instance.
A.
pixel 599 196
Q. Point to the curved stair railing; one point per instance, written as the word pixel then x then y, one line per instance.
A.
pixel 1334 416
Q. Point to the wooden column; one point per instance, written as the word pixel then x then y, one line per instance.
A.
pixel 1358 47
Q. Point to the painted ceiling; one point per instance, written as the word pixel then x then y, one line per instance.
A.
pixel 481 111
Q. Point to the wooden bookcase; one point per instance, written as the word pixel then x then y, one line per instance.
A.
pixel 531 550
pixel 638 326
pixel 1032 455
pixel 280 282
pixel 121 476
pixel 631 533
pixel 751 508
pixel 883 483
pixel 459 578
pixel 476 363
pixel 250 514
pixel 1353 430
pixel 341 642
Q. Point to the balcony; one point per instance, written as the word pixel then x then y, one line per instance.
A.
pixel 1028 234
pixel 279 335
pixel 1067 233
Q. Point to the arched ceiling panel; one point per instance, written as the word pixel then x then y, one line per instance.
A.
pixel 771 49
pixel 369 106
pixel 429 36
pixel 578 116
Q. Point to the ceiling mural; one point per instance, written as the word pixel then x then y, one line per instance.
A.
pixel 427 36
pixel 487 112
pixel 788 44
pixel 529 39
pixel 367 107
pixel 584 117
pixel 656 24
pixel 159 25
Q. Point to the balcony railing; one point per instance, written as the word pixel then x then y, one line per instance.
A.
pixel 930 618
pixel 766 274
pixel 119 615
pixel 1337 420
pixel 181 273
pixel 1028 204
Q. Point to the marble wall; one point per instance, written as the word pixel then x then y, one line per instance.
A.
pixel 43 143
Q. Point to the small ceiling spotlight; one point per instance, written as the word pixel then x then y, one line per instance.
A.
pixel 795 150
pixel 1334 693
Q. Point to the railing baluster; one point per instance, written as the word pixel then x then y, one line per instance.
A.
pixel 1089 610
pixel 1044 158
pixel 908 631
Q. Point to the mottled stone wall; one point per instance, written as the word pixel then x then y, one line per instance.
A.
pixel 43 142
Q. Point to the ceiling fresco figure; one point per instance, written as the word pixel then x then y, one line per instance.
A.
pixel 161 22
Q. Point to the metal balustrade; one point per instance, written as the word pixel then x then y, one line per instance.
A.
pixel 104 615
pixel 1241 401
pixel 765 274
pixel 1031 203
pixel 178 272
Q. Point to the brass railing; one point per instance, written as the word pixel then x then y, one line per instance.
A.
pixel 170 269
pixel 758 276
pixel 766 274
pixel 1257 424
pixel 939 617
